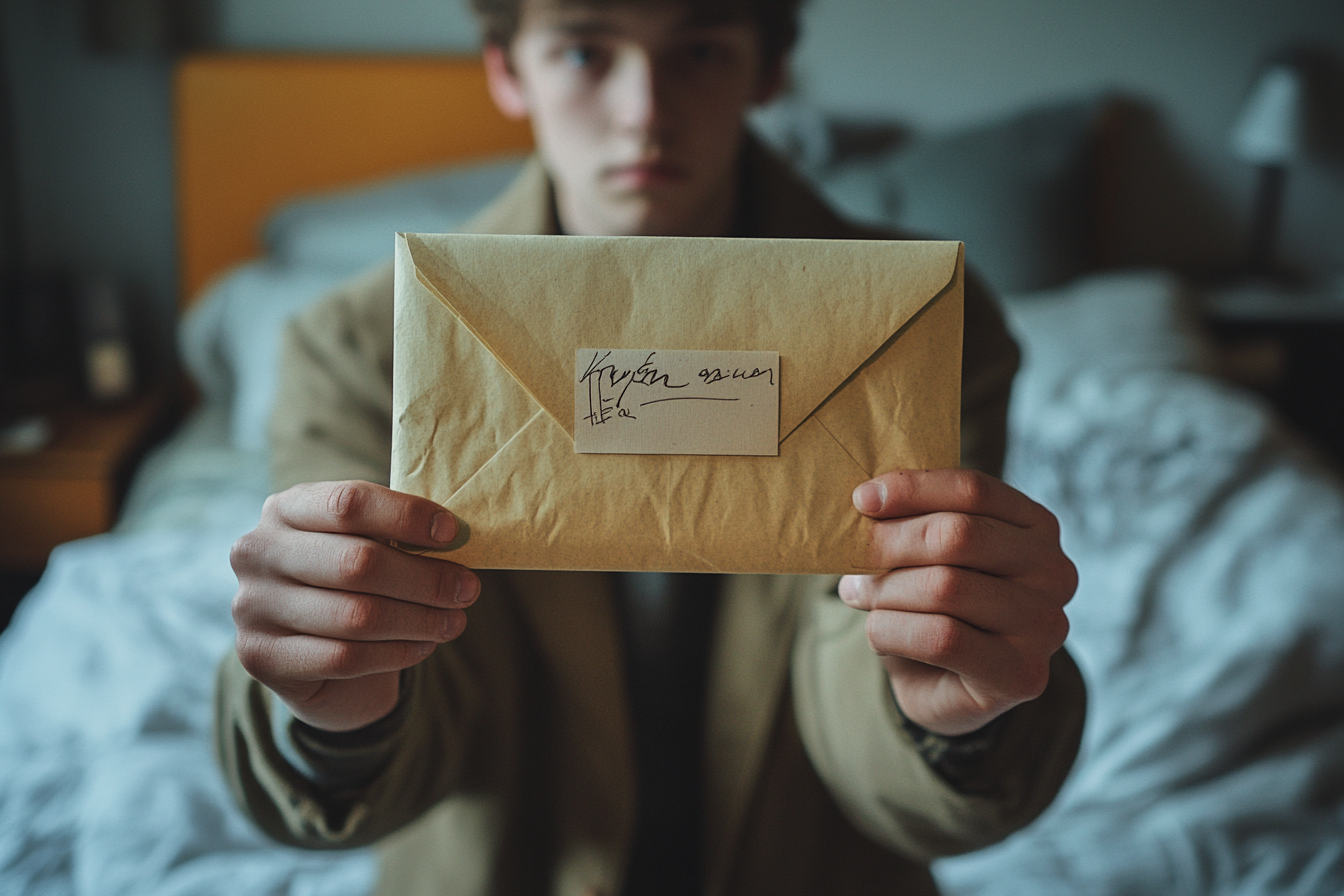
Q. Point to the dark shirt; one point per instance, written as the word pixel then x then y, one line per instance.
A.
pixel 667 620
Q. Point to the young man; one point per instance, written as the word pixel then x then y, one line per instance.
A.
pixel 624 733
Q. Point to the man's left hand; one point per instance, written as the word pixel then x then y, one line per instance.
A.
pixel 972 606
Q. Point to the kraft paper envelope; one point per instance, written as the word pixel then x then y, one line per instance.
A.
pixel 487 328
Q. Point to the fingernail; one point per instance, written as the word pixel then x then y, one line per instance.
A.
pixel 443 528
pixel 468 588
pixel 846 591
pixel 870 497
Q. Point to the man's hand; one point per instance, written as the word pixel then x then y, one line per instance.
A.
pixel 328 613
pixel 972 609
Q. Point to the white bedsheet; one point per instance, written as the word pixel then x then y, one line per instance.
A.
pixel 1208 625
pixel 107 782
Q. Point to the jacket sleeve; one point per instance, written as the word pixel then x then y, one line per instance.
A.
pixel 989 360
pixel 458 735
pixel 332 420
pixel 849 720
pixel 856 739
pixel 333 406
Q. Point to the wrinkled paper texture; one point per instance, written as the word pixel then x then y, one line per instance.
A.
pixel 869 341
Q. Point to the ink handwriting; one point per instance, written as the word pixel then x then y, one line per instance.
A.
pixel 640 401
pixel 608 384
pixel 712 375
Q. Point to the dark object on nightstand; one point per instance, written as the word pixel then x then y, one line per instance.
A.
pixel 13 587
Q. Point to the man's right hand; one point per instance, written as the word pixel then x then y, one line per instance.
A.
pixel 328 613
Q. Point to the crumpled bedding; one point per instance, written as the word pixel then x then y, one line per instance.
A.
pixel 1207 623
pixel 107 779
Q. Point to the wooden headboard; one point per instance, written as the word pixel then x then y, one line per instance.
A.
pixel 254 130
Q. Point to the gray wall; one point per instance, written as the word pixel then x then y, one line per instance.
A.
pixel 94 133
pixel 940 64
pixel 390 25
pixel 94 160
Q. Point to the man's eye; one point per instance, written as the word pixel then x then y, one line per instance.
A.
pixel 705 52
pixel 582 56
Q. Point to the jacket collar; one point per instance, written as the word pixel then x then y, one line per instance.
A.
pixel 526 207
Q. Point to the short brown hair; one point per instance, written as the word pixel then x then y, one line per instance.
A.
pixel 776 20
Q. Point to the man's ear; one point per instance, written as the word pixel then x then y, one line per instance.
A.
pixel 505 88
pixel 773 79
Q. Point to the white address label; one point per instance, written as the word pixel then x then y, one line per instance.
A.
pixel 645 401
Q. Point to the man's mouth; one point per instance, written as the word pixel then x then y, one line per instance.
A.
pixel 644 175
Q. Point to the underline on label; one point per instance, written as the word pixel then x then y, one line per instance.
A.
pixel 686 398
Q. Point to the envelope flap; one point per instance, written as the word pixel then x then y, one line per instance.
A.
pixel 824 305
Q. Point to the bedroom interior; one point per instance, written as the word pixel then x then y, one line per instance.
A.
pixel 1181 408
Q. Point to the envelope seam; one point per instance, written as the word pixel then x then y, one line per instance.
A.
pixel 841 445
pixel 476 334
pixel 886 343
pixel 540 412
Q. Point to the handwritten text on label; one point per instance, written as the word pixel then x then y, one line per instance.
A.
pixel 644 401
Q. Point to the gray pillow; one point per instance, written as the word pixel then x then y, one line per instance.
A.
pixel 352 229
pixel 1019 192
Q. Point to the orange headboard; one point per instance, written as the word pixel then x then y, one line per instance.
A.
pixel 253 130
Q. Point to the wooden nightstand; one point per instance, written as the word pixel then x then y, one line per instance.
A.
pixel 1287 344
pixel 73 486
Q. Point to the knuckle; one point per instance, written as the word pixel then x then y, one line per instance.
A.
pixel 253 655
pixel 361 616
pixel 243 608
pixel 239 553
pixel 945 584
pixel 1049 522
pixel 1057 630
pixel 1068 579
pixel 342 660
pixel 245 552
pixel 944 639
pixel 344 502
pixel 1034 680
pixel 270 508
pixel 358 562
pixel 952 535
pixel 973 487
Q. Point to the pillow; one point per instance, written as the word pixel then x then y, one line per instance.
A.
pixel 795 130
pixel 1132 320
pixel 352 229
pixel 1018 192
pixel 230 339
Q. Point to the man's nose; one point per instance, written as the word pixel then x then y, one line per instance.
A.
pixel 638 93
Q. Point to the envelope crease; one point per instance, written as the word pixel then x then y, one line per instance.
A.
pixel 486 329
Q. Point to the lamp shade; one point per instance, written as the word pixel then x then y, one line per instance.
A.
pixel 1270 130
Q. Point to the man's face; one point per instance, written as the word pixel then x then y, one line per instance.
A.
pixel 637 112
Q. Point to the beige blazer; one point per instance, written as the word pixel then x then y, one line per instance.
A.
pixel 514 773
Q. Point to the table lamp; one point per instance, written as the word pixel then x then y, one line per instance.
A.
pixel 1270 134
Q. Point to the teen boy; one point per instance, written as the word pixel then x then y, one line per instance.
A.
pixel 640 733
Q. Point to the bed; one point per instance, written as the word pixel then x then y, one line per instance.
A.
pixel 1210 544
